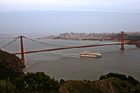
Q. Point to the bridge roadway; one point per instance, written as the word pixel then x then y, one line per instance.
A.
pixel 63 48
pixel 54 49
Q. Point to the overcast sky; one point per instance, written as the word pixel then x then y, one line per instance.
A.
pixel 77 5
pixel 91 16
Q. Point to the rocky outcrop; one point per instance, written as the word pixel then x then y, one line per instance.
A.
pixel 10 66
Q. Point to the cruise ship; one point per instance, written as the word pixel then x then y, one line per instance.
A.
pixel 88 54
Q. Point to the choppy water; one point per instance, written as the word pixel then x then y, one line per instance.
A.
pixel 68 64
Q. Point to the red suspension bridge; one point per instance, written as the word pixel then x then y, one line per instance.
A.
pixel 22 52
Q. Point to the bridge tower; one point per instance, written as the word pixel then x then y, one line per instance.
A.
pixel 138 44
pixel 122 41
pixel 22 51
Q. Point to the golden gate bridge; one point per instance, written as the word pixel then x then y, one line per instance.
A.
pixel 22 52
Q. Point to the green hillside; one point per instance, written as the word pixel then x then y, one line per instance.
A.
pixel 109 85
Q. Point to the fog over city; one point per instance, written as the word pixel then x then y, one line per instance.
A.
pixel 61 16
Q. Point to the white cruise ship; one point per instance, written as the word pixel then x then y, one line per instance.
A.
pixel 88 54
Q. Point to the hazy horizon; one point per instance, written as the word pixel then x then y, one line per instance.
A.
pixel 55 22
pixel 61 16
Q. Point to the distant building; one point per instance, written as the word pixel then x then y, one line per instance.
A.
pixel 118 36
pixel 134 38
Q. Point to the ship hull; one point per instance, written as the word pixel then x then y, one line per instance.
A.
pixel 91 56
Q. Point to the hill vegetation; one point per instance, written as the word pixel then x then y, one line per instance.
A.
pixel 107 85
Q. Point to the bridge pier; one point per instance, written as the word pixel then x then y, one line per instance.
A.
pixel 138 45
pixel 22 52
pixel 122 41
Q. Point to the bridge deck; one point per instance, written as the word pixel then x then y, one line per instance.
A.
pixel 54 49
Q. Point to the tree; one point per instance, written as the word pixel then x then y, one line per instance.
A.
pixel 102 77
pixel 7 87
pixel 62 81
pixel 132 80
pixel 37 82
pixel 121 77
pixel 6 72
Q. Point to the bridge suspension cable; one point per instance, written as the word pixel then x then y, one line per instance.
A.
pixel 63 48
pixel 43 42
pixel 9 43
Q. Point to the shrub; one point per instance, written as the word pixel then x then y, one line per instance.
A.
pixel 37 83
pixel 130 79
pixel 7 87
